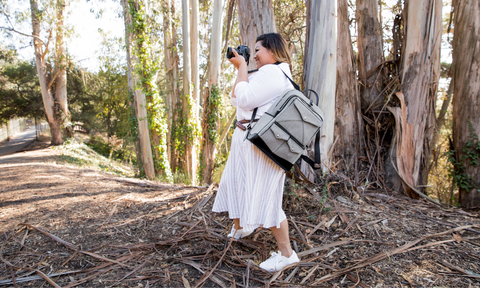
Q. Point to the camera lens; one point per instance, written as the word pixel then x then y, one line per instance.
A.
pixel 230 53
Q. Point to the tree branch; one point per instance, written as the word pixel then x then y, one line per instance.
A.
pixel 28 35
pixel 46 45
pixel 54 77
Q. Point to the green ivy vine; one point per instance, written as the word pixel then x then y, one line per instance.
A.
pixel 146 69
pixel 211 114
pixel 470 157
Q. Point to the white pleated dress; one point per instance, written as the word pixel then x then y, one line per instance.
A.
pixel 251 188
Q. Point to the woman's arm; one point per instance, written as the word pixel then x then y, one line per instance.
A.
pixel 263 87
pixel 239 63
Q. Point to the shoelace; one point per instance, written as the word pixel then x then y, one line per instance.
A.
pixel 276 257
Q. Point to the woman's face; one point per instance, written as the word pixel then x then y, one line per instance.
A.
pixel 263 56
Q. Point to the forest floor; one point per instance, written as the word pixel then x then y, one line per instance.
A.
pixel 75 226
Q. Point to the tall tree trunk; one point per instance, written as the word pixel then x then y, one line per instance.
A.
pixel 421 71
pixel 370 53
pixel 210 107
pixel 466 96
pixel 188 102
pixel 256 17
pixel 175 92
pixel 348 118
pixel 45 87
pixel 133 123
pixel 194 45
pixel 320 65
pixel 61 70
pixel 169 62
pixel 140 108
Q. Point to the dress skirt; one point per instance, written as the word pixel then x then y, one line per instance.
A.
pixel 251 188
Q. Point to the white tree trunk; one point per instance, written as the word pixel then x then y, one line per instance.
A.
pixel 256 18
pixel 466 91
pixel 48 99
pixel 320 65
pixel 421 71
pixel 194 41
pixel 60 68
pixel 188 111
pixel 215 43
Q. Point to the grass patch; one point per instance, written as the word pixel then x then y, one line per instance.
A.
pixel 81 155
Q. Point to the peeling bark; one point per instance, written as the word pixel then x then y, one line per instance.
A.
pixel 256 17
pixel 348 119
pixel 421 71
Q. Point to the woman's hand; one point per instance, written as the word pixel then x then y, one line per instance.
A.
pixel 237 60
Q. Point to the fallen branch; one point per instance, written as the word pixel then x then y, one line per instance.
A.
pixel 382 255
pixel 465 272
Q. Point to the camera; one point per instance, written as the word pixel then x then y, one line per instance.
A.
pixel 242 50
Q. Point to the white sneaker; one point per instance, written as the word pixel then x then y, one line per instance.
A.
pixel 277 261
pixel 240 233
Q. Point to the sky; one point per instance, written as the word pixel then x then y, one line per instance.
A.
pixel 83 16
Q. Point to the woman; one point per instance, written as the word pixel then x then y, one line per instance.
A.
pixel 251 188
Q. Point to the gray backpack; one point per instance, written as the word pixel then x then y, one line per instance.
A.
pixel 285 130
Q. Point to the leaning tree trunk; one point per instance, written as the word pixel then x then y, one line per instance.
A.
pixel 370 53
pixel 45 87
pixel 320 65
pixel 256 17
pixel 139 96
pixel 421 71
pixel 348 119
pixel 466 99
pixel 211 105
pixel 61 70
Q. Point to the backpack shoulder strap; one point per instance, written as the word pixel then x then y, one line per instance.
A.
pixel 291 81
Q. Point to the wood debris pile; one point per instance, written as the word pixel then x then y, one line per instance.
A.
pixel 349 240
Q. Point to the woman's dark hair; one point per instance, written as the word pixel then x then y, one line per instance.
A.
pixel 275 43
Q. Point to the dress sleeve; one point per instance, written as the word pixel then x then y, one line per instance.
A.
pixel 261 88
pixel 232 100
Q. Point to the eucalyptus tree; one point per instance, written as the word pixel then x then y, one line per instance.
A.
pixel 320 65
pixel 213 98
pixel 53 89
pixel 466 101
pixel 189 109
pixel 135 86
pixel 256 17
pixel 348 118
pixel 370 53
pixel 195 56
pixel 171 71
pixel 419 80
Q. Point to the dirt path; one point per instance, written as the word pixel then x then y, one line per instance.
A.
pixel 129 233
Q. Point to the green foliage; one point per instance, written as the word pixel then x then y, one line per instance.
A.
pixel 470 156
pixel 212 113
pixel 120 152
pixel 20 94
